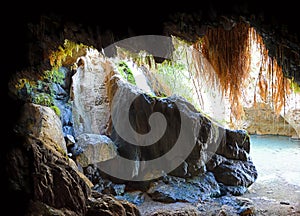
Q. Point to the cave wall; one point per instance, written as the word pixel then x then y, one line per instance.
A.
pixel 31 33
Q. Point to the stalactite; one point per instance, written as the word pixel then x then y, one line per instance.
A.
pixel 229 53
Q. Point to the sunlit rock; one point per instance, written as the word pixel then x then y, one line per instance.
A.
pixel 262 120
pixel 95 148
pixel 42 123
pixel 89 101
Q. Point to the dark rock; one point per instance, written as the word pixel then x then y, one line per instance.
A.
pixel 174 189
pixel 101 204
pixel 46 178
pixel 235 173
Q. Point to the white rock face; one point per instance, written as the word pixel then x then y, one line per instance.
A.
pixel 291 113
pixel 89 102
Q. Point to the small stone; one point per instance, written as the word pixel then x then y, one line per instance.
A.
pixel 247 212
pixel 70 140
pixel 284 203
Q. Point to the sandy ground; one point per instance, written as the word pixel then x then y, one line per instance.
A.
pixel 276 191
pixel 266 199
pixel 275 196
pixel 277 188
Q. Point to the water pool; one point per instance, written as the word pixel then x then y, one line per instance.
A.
pixel 276 157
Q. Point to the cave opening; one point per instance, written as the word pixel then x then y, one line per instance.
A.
pixel 236 85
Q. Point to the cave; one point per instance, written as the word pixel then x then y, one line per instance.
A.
pixel 225 76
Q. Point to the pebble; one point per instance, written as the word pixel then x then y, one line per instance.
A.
pixel 284 203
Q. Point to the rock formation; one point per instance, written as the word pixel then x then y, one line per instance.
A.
pixel 193 154
pixel 61 149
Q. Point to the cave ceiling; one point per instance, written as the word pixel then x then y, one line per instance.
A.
pixel 107 22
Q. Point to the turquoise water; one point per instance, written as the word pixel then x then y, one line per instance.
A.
pixel 276 157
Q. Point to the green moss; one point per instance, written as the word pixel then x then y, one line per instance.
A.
pixel 161 96
pixel 43 99
pixel 62 152
pixel 68 49
pixel 175 76
pixel 126 73
pixel 56 110
pixel 295 86
pixel 23 82
pixel 54 76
